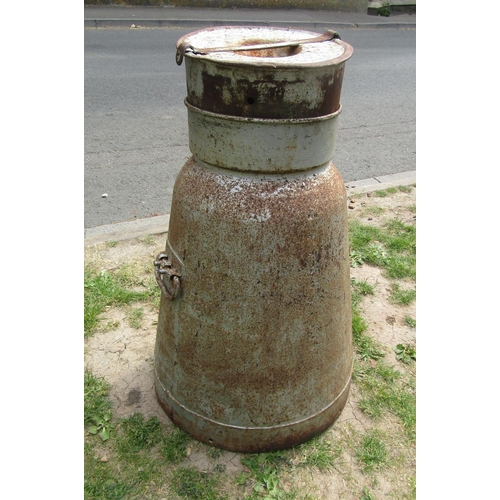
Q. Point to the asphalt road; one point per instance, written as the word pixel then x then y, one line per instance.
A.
pixel 136 137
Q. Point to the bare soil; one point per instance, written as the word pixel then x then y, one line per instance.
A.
pixel 123 355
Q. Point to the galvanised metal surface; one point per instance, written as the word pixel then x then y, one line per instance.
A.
pixel 261 144
pixel 254 349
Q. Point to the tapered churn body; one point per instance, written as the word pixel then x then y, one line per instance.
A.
pixel 253 348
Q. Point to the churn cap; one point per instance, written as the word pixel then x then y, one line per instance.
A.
pixel 275 47
pixel 264 72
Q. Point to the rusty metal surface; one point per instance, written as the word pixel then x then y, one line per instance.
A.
pixel 255 352
pixel 293 82
pixel 163 268
pixel 259 341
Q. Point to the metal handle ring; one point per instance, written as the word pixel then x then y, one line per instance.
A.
pixel 163 266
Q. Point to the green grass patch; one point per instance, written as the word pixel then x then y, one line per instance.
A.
pixel 367 495
pixel 320 452
pixel 400 296
pixel 103 289
pixel 373 210
pixel 411 322
pixel 95 398
pixel 391 247
pixel 135 316
pixel 362 287
pixel 101 481
pixel 174 447
pixel 385 389
pixel 265 471
pixel 191 484
pixel 137 433
pixel 364 345
pixel 372 452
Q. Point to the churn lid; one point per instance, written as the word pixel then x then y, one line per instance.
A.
pixel 264 72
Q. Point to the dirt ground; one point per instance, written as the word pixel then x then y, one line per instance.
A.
pixel 123 355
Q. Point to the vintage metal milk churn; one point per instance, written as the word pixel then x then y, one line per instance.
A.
pixel 254 349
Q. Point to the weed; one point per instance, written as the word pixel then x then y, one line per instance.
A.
pixel 266 467
pixel 385 10
pixel 411 322
pixel 356 258
pixel 365 346
pixel 367 495
pixel 405 189
pixel 95 397
pixel 214 453
pixel 382 193
pixel 102 426
pixel 242 478
pixel 111 244
pixel 372 451
pixel 405 353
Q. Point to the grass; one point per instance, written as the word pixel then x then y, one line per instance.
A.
pixel 142 458
pixel 192 484
pixel 391 247
pixel 401 296
pixel 135 316
pixel 103 289
pixel 96 401
pixel 372 452
pixel 411 322
pixel 174 447
pixel 385 390
pixel 320 452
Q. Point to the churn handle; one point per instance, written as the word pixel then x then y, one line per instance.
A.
pixel 184 47
pixel 164 266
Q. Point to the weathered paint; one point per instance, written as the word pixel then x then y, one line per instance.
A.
pixel 261 145
pixel 300 82
pixel 255 351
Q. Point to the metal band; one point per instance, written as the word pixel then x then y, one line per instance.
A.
pixel 256 428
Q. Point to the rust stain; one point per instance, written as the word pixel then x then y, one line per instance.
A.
pixel 255 354
pixel 265 93
pixel 262 330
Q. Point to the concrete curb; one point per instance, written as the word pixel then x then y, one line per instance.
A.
pixel 201 23
pixel 159 224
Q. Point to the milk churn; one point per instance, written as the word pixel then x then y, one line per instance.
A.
pixel 253 348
